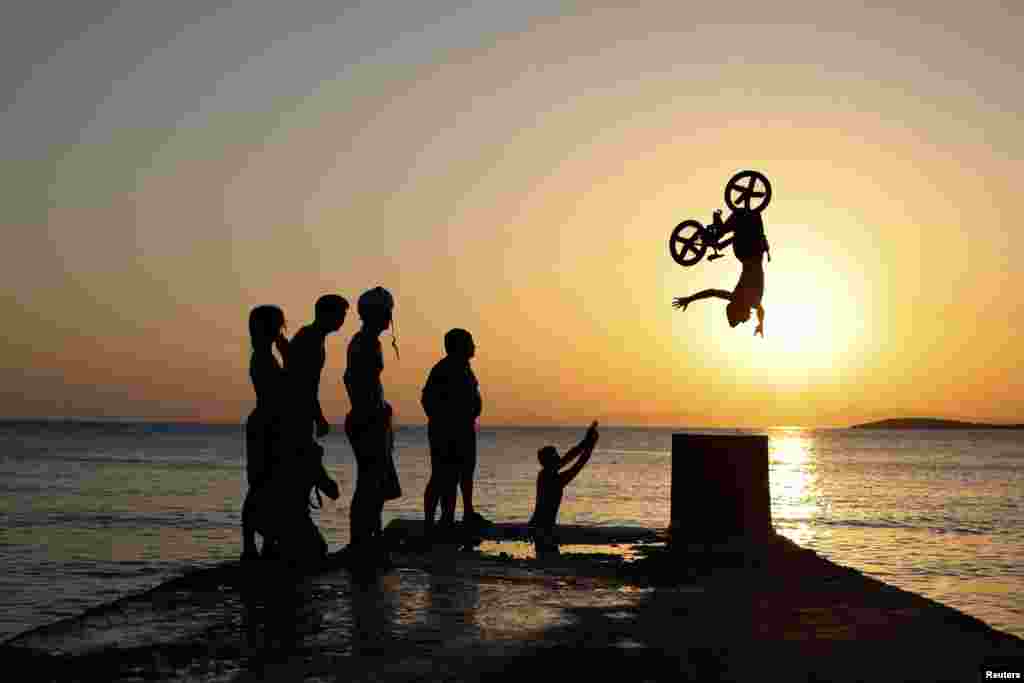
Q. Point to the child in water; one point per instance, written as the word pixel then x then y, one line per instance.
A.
pixel 551 484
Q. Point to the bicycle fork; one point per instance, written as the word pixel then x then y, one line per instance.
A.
pixel 714 229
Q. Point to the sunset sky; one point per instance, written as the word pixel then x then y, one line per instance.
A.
pixel 515 168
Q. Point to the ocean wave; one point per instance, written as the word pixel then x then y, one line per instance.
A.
pixel 120 520
pixel 890 524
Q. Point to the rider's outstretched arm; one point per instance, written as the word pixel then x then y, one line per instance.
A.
pixel 684 301
pixel 711 293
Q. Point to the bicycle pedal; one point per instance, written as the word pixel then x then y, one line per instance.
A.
pixel 714 256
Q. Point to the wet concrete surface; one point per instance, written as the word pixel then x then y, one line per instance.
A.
pixel 498 613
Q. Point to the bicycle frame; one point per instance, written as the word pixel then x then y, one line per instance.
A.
pixel 715 235
pixel 690 240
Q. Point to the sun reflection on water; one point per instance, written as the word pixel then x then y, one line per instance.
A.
pixel 796 502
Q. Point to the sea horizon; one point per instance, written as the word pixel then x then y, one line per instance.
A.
pixel 964 423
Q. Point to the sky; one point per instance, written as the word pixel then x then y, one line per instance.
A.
pixel 514 169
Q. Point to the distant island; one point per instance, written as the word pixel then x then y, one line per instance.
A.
pixel 931 423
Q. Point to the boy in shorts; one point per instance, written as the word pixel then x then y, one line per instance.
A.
pixel 451 400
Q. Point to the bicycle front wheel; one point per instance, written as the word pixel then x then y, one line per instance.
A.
pixel 748 191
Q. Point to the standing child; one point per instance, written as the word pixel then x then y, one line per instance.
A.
pixel 368 426
pixel 451 400
pixel 307 354
pixel 551 484
pixel 306 363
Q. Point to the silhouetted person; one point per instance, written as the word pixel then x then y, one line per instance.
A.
pixel 551 483
pixel 451 400
pixel 368 425
pixel 305 472
pixel 749 246
pixel 307 358
pixel 264 429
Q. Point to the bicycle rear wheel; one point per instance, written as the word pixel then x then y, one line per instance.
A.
pixel 686 244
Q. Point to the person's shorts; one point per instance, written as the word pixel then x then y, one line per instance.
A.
pixel 370 448
pixel 453 448
pixel 750 288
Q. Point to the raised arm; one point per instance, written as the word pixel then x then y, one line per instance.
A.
pixel 570 474
pixel 583 450
pixel 573 453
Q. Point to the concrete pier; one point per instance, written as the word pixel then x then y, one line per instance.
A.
pixel 480 617
pixel 720 492
pixel 484 615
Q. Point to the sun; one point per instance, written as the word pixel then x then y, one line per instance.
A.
pixel 810 321
pixel 796 327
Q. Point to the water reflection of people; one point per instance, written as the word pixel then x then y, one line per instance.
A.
pixel 368 427
pixel 276 622
pixel 374 606
pixel 551 485
pixel 452 609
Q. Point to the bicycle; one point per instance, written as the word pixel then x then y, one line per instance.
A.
pixel 690 239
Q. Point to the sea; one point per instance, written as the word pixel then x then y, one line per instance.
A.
pixel 92 512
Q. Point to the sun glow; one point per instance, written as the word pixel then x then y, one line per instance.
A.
pixel 806 335
pixel 812 316
pixel 796 328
